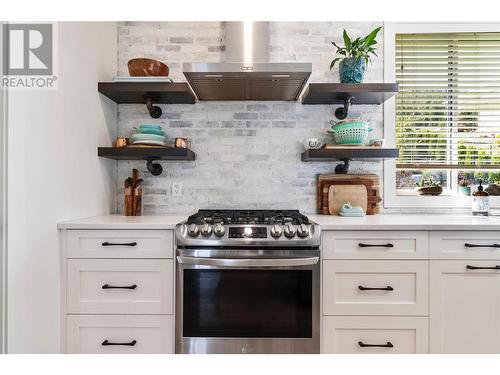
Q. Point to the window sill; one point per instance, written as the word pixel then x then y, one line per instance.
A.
pixel 433 202
pixel 414 193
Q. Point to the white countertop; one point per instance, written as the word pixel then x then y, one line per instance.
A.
pixel 372 222
pixel 408 222
pixel 124 222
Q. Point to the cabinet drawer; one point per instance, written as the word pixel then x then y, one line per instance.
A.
pixel 120 286
pixel 375 245
pixel 99 334
pixel 465 245
pixel 119 243
pixel 350 334
pixel 402 287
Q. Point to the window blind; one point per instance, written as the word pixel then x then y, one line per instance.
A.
pixel 448 107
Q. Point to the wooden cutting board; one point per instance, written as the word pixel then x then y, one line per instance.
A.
pixel 339 194
pixel 371 181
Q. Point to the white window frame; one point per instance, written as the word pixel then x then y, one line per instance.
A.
pixel 391 199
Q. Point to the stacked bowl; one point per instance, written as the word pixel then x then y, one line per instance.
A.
pixel 152 135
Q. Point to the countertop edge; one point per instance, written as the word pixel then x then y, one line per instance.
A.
pixel 419 222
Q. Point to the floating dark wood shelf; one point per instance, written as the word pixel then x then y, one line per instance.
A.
pixel 346 154
pixel 136 92
pixel 148 93
pixel 360 93
pixel 349 153
pixel 146 153
pixel 150 154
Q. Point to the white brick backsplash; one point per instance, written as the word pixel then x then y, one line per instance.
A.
pixel 248 153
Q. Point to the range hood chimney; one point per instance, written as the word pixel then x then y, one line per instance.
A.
pixel 247 42
pixel 247 73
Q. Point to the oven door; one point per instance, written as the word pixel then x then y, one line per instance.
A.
pixel 247 301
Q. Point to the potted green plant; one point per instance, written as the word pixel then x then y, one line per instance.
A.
pixel 354 56
pixel 464 187
pixel 429 186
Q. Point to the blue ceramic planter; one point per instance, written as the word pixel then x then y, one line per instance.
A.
pixel 352 70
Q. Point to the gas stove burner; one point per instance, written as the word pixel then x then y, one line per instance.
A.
pixel 248 228
pixel 266 217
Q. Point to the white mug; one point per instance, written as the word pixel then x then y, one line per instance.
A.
pixel 312 143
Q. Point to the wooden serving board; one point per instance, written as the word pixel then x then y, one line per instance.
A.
pixel 357 195
pixel 370 181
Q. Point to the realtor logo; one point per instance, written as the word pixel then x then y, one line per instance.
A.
pixel 28 55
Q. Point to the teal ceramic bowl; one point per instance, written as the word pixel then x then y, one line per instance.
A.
pixel 148 126
pixel 149 131
pixel 147 137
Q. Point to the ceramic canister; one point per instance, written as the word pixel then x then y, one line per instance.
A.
pixel 312 143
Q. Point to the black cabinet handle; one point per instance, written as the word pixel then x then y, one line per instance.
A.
pixel 107 286
pixel 495 245
pixel 119 244
pixel 388 288
pixel 363 345
pixel 107 343
pixel 371 245
pixel 469 267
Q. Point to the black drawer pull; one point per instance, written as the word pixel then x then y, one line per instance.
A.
pixel 388 288
pixel 372 245
pixel 363 345
pixel 119 244
pixel 469 267
pixel 107 343
pixel 495 245
pixel 107 286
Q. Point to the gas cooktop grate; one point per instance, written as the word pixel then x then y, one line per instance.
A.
pixel 250 217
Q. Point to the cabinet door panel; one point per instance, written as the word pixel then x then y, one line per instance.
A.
pixel 120 334
pixel 120 286
pixel 375 245
pixel 374 335
pixel 465 245
pixel 120 243
pixel 375 287
pixel 464 307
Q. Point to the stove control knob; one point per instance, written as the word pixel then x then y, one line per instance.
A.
pixel 289 230
pixel 219 230
pixel 276 231
pixel 206 230
pixel 193 230
pixel 303 231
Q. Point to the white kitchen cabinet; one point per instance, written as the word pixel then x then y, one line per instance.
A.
pixel 465 244
pixel 119 243
pixel 375 287
pixel 120 334
pixel 375 245
pixel 120 286
pixel 374 335
pixel 117 291
pixel 464 306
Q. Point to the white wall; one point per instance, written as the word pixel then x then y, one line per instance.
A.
pixel 54 174
pixel 3 101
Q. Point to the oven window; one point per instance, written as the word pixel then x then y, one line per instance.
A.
pixel 247 303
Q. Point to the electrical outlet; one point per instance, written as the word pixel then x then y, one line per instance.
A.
pixel 177 189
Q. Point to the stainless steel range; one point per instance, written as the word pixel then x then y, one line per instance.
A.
pixel 247 282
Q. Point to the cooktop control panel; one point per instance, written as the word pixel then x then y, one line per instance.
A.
pixel 247 232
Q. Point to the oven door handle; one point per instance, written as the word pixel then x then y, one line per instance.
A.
pixel 232 262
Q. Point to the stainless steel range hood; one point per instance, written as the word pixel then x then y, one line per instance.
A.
pixel 247 73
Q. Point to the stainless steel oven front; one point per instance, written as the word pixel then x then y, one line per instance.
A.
pixel 247 301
